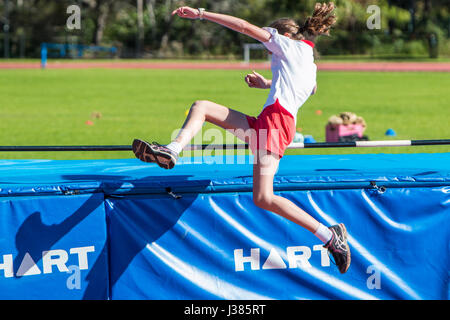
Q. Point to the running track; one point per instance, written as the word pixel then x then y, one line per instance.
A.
pixel 328 66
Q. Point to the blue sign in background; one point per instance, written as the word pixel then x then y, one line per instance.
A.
pixel 115 229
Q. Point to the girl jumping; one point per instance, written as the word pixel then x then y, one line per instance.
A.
pixel 269 134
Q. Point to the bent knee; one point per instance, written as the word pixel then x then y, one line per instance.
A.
pixel 263 201
pixel 200 105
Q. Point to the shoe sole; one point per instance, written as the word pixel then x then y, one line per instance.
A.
pixel 144 152
pixel 348 249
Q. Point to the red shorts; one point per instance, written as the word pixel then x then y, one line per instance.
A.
pixel 273 129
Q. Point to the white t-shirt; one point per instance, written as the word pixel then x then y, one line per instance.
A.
pixel 293 69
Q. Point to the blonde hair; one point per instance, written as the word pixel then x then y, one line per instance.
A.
pixel 318 24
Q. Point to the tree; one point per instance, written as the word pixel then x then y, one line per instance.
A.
pixel 427 21
pixel 100 13
pixel 146 28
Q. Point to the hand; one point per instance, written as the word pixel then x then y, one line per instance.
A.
pixel 255 80
pixel 187 12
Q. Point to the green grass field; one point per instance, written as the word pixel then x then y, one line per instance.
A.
pixel 51 107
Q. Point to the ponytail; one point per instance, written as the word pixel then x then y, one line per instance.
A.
pixel 320 22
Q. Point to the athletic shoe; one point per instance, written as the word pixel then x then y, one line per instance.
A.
pixel 339 248
pixel 154 152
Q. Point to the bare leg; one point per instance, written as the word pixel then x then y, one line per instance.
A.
pixel 263 170
pixel 263 173
pixel 201 111
pixel 217 114
pixel 334 237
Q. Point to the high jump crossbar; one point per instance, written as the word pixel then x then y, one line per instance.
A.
pixel 294 145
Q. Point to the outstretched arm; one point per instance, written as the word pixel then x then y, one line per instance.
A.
pixel 230 22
